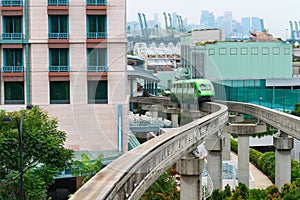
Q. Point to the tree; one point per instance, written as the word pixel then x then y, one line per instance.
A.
pixel 44 154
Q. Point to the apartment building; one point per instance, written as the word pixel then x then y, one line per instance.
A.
pixel 69 58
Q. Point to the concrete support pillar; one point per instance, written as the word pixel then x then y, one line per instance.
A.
pixel 154 111
pixel 243 160
pixel 214 146
pixel 227 148
pixel 174 119
pixel 244 131
pixel 283 145
pixel 190 169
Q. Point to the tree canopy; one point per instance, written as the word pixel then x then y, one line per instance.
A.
pixel 43 150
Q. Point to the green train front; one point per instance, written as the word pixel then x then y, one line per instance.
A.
pixel 193 91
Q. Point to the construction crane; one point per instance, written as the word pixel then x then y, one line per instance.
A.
pixel 180 24
pixel 292 31
pixel 141 24
pixel 171 27
pixel 146 27
pixel 296 29
pixel 166 21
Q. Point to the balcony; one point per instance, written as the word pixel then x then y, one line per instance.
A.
pixel 96 2
pixel 12 36
pixel 12 69
pixel 96 35
pixel 58 2
pixel 58 35
pixel 59 68
pixel 12 3
pixel 97 68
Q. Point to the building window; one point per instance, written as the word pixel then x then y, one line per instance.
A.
pixel 265 51
pixel 254 51
pixel 59 60
pixel 233 51
pixel 96 2
pixel 14 92
pixel 211 51
pixel 13 60
pixel 97 60
pixel 287 51
pixel 12 28
pixel 222 51
pixel 58 2
pixel 58 27
pixel 244 51
pixel 276 50
pixel 96 26
pixel 97 92
pixel 59 92
pixel 12 2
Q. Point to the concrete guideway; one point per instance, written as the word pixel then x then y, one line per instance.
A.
pixel 129 176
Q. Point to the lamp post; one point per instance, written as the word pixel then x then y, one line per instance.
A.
pixel 20 130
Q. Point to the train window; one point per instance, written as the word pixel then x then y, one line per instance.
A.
pixel 202 87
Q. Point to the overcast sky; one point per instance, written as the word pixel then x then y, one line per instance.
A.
pixel 276 14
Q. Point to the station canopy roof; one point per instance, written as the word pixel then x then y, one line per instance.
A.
pixel 160 62
pixel 138 72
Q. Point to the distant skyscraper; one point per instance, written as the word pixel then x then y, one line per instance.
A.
pixel 228 23
pixel 255 24
pixel 246 26
pixel 220 22
pixel 207 20
pixel 156 18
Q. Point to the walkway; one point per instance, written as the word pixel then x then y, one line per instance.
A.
pixel 260 179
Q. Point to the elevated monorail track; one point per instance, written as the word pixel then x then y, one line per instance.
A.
pixel 129 176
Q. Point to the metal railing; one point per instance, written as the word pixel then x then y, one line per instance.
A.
pixel 12 36
pixel 96 2
pixel 97 68
pixel 58 35
pixel 12 3
pixel 12 69
pixel 58 2
pixel 96 35
pixel 59 68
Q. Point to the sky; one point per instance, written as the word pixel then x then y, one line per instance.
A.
pixel 276 14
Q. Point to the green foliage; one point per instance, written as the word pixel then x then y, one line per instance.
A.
pixel 43 153
pixel 234 146
pixel 266 164
pixel 164 187
pixel 254 156
pixel 296 110
pixel 87 167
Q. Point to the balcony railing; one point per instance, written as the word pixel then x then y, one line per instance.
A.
pixel 12 69
pixel 12 36
pixel 96 2
pixel 58 35
pixel 96 35
pixel 59 68
pixel 12 3
pixel 97 68
pixel 58 2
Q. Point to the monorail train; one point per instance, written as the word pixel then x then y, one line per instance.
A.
pixel 193 91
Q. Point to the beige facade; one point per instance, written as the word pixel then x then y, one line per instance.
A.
pixel 88 126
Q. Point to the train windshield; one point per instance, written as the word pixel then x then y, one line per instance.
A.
pixel 204 87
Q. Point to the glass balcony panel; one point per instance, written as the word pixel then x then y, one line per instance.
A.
pixel 9 3
pixel 96 2
pixel 58 35
pixel 97 68
pixel 13 69
pixel 59 68
pixel 12 36
pixel 58 2
pixel 96 35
